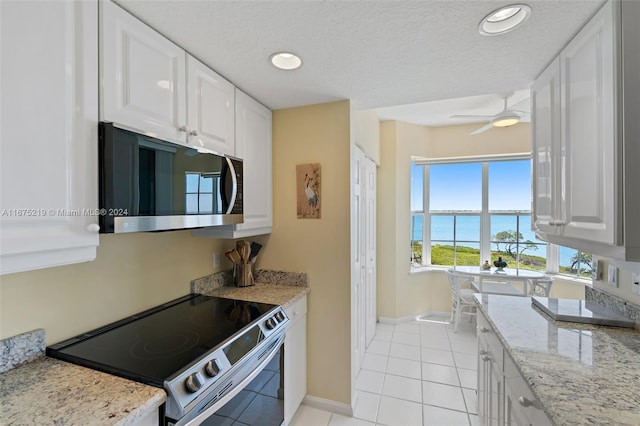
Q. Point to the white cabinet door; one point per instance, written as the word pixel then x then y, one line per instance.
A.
pixel 588 131
pixel 253 145
pixel 547 150
pixel 295 358
pixel 49 134
pixel 142 76
pixel 211 108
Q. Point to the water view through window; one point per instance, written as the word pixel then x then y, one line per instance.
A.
pixel 454 211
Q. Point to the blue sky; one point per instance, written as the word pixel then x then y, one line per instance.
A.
pixel 459 186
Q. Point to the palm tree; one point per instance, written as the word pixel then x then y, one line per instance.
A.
pixel 580 260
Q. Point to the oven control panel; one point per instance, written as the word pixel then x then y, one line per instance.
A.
pixel 206 375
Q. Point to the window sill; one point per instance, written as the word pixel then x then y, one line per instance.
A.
pixel 422 269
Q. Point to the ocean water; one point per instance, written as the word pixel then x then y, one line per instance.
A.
pixel 468 229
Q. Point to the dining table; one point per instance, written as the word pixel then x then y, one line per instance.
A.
pixel 518 282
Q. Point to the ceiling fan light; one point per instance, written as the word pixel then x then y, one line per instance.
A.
pixel 506 121
pixel 504 19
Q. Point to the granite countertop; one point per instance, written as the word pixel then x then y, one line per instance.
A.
pixel 275 294
pixel 49 391
pixel 582 374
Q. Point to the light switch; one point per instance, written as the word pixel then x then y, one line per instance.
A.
pixel 216 260
pixel 612 276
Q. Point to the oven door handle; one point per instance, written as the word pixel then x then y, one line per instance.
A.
pixel 208 411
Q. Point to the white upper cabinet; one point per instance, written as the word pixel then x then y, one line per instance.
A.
pixel 153 86
pixel 253 145
pixel 583 133
pixel 49 134
pixel 211 102
pixel 545 101
pixel 142 76
pixel 588 114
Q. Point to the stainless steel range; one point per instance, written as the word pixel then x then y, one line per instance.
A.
pixel 202 350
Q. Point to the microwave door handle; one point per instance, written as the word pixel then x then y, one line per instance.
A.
pixel 234 185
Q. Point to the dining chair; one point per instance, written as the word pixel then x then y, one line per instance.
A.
pixel 542 287
pixel 462 298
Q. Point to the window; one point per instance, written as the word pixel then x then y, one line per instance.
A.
pixel 201 193
pixel 466 213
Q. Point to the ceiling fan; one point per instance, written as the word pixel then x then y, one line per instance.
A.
pixel 507 117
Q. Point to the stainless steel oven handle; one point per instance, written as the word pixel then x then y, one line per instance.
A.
pixel 204 415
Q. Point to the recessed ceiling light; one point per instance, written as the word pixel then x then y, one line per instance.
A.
pixel 286 61
pixel 504 19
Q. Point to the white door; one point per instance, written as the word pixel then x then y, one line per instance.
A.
pixel 359 261
pixel 369 229
pixel 253 145
pixel 211 109
pixel 49 134
pixel 547 152
pixel 588 130
pixel 142 77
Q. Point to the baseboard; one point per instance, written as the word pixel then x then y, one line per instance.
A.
pixel 409 318
pixel 328 405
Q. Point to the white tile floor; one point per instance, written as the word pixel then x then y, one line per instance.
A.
pixel 413 374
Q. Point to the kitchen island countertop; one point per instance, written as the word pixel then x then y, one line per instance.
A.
pixel 582 374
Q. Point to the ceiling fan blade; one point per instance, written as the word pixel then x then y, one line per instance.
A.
pixel 482 129
pixel 471 116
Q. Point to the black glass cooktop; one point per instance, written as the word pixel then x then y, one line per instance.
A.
pixel 152 345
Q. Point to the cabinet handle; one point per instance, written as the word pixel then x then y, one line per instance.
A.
pixel 524 401
pixel 486 358
pixel 93 228
pixel 183 129
pixel 484 330
pixel 193 133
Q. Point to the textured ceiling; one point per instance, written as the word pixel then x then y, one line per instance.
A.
pixel 375 53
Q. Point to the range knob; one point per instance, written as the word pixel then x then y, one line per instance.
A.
pixel 270 323
pixel 211 368
pixel 193 382
pixel 279 316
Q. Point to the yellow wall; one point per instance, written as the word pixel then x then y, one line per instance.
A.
pixel 132 272
pixel 401 293
pixel 365 128
pixel 319 247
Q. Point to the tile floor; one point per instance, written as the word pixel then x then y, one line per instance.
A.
pixel 418 373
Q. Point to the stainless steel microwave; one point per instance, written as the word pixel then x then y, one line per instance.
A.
pixel 149 184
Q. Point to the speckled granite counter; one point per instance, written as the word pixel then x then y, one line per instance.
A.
pixel 275 287
pixel 582 374
pixel 48 391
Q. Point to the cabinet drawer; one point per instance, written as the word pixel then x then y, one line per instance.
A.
pixel 520 403
pixel 297 309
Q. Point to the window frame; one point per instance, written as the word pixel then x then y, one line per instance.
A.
pixel 552 250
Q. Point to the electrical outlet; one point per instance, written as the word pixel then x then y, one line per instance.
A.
pixel 216 260
pixel 596 273
pixel 635 283
pixel 612 276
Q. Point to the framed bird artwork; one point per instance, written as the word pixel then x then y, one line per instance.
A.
pixel 308 190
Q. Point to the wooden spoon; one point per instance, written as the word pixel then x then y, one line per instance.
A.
pixel 246 252
pixel 233 256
